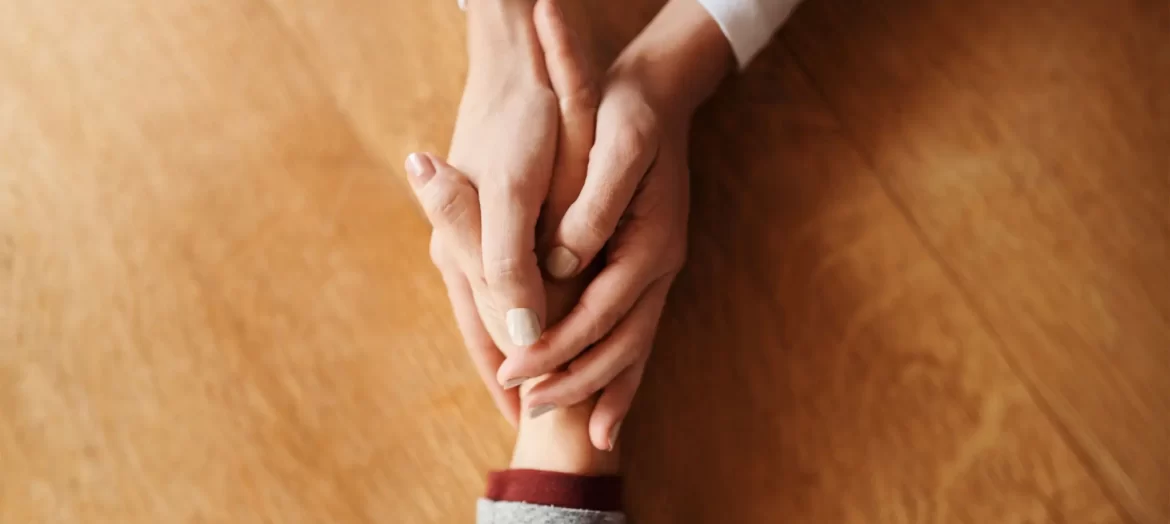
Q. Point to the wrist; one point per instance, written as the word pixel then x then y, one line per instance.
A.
pixel 501 40
pixel 559 441
pixel 679 59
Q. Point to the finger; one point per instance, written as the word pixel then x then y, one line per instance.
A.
pixel 509 258
pixel 571 75
pixel 617 162
pixel 574 80
pixel 484 353
pixel 570 72
pixel 605 301
pixel 489 316
pixel 629 342
pixel 451 204
pixel 606 421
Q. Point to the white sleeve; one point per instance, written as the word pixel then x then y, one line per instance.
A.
pixel 749 24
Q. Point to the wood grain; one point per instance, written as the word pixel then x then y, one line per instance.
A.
pixel 1028 144
pixel 218 307
pixel 814 334
pixel 922 287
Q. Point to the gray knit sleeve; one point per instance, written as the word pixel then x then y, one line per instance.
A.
pixel 502 512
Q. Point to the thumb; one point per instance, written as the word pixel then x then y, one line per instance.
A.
pixel 451 205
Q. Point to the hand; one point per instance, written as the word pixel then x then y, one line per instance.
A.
pixel 451 205
pixel 632 212
pixel 453 202
pixel 505 142
pixel 637 176
pixel 558 441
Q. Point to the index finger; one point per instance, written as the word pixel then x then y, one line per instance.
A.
pixel 605 302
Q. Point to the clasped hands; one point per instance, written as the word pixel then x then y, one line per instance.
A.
pixel 560 183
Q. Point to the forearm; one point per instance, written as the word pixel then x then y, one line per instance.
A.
pixel 681 57
pixel 559 439
pixel 749 24
pixel 501 39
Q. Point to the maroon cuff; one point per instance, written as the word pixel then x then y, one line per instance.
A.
pixel 552 488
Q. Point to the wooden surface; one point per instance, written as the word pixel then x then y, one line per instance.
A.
pixel 929 276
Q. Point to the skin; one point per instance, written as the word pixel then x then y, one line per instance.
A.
pixel 605 155
pixel 456 202
pixel 558 440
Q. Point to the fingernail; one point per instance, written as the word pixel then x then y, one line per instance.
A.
pixel 515 382
pixel 539 410
pixel 613 434
pixel 523 327
pixel 419 165
pixel 561 262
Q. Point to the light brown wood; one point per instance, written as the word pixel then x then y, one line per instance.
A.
pixel 927 281
pixel 218 306
pixel 1029 147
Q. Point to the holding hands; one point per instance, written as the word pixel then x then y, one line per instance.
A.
pixel 553 167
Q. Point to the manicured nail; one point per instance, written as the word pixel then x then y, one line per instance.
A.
pixel 523 327
pixel 417 164
pixel 613 434
pixel 515 382
pixel 561 262
pixel 539 410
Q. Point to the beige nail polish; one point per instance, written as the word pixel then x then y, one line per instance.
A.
pixel 419 165
pixel 613 435
pixel 515 382
pixel 523 327
pixel 539 410
pixel 561 263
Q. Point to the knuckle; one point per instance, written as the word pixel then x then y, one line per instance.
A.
pixel 445 204
pixel 595 222
pixel 600 319
pixel 514 187
pixel 587 378
pixel 629 141
pixel 544 97
pixel 506 270
pixel 583 101
pixel 438 251
pixel 634 110
pixel 645 121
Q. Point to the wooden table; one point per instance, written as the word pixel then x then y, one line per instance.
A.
pixel 929 274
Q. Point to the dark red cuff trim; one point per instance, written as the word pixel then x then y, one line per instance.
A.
pixel 551 488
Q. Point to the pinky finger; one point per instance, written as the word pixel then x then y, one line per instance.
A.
pixel 484 353
pixel 613 405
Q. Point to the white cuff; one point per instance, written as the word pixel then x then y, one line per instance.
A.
pixel 748 24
